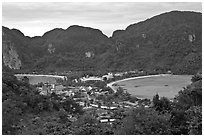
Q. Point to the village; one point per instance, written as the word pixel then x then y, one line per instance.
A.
pixel 94 94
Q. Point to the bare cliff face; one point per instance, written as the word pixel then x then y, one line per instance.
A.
pixel 10 56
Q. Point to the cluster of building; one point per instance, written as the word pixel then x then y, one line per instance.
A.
pixel 87 97
pixel 95 78
pixel 107 76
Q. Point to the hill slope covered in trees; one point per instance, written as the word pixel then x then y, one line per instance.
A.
pixel 170 41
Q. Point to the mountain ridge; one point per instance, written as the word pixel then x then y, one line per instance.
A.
pixel 169 41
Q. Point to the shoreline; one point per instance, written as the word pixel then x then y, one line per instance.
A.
pixel 31 75
pixel 132 78
pixel 140 77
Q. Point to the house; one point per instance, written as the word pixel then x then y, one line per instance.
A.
pixel 93 105
pixel 108 76
pixel 82 88
pixel 104 107
pixel 111 120
pixel 69 93
pixel 104 120
pixel 75 80
pixel 89 88
pixel 169 72
pixel 87 107
pixel 119 74
pixel 84 79
pixel 130 103
pixel 113 108
pixel 191 37
pixel 107 120
pixel 81 103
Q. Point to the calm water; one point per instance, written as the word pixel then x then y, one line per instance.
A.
pixel 35 79
pixel 167 86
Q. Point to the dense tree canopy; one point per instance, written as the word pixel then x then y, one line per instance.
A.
pixel 25 111
pixel 19 99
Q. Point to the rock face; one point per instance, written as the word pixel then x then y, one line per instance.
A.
pixel 170 41
pixel 10 56
pixel 89 54
pixel 50 48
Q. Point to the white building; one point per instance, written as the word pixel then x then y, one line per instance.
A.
pixel 90 78
pixel 108 76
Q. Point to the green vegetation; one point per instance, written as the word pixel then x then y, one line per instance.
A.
pixel 21 100
pixel 143 121
pixel 182 116
pixel 158 44
pixel 24 111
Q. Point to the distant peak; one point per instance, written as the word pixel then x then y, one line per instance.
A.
pixel 17 31
pixel 55 30
pixel 78 27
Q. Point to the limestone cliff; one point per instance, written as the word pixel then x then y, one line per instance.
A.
pixel 10 55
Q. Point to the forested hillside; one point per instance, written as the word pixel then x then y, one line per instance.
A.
pixel 26 112
pixel 170 41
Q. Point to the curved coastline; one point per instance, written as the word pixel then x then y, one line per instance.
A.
pixel 140 77
pixel 133 78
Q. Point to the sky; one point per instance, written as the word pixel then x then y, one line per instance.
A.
pixel 34 19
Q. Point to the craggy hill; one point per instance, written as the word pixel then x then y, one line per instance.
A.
pixel 170 41
pixel 76 47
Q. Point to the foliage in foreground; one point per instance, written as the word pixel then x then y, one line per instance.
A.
pixel 19 100
pixel 24 111
pixel 182 116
